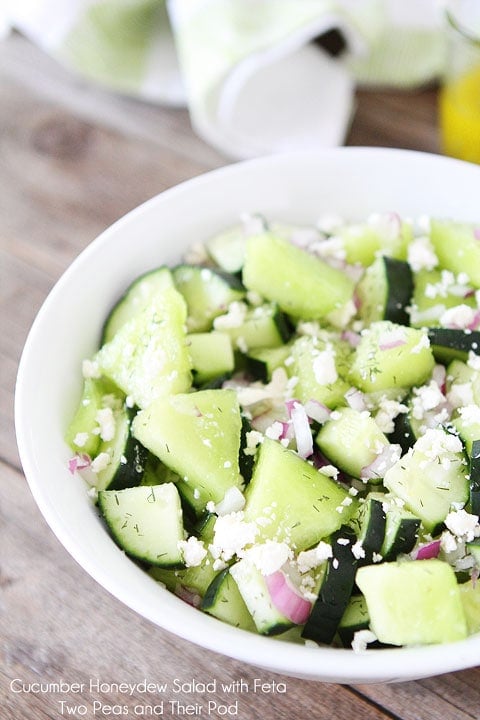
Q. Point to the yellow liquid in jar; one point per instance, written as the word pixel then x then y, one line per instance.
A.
pixel 460 117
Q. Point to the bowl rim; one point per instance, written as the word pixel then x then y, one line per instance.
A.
pixel 325 663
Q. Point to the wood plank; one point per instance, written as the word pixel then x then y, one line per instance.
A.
pixel 58 624
pixel 454 695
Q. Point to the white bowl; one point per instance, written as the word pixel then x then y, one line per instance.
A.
pixel 352 182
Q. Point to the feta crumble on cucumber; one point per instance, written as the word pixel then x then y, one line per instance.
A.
pixel 284 429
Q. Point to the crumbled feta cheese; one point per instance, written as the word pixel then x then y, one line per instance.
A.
pixel 100 462
pixel 268 557
pixel 387 411
pixel 330 471
pixel 253 439
pixel 358 551
pixel 193 551
pixel 232 534
pixel 361 639
pixel 309 559
pixel 436 442
pixel 80 439
pixel 106 422
pixel 233 501
pixel 459 317
pixel 422 344
pixel 274 431
pixel 324 367
pixel 91 369
pixel 470 414
pixel 462 524
pixel 473 360
pixel 460 395
pixel 233 318
pixel 421 254
pixel 448 542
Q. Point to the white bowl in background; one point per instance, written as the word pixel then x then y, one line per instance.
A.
pixel 298 188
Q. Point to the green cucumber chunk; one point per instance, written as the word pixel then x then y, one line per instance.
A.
pixel 254 591
pixel 261 362
pixel 363 242
pixel 148 356
pixel 224 601
pixel 320 365
pixel 385 291
pixel 457 247
pixel 264 326
pixel 146 522
pixel 207 291
pixel 302 285
pixel 470 597
pixel 198 436
pixel 401 530
pixel 291 500
pixel 354 618
pixel 335 590
pixel 431 477
pixel 137 296
pixel 211 355
pixel 357 430
pixel 83 432
pixel 413 602
pixel 434 293
pixel 370 525
pixel 391 356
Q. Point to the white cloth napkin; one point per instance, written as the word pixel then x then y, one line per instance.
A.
pixel 253 81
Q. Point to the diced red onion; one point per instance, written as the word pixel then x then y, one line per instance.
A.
pixel 382 462
pixel 440 376
pixel 390 344
pixel 355 399
pixel 79 462
pixel 351 337
pixel 189 596
pixel 287 599
pixel 428 551
pixel 317 411
pixel 302 431
pixel 475 322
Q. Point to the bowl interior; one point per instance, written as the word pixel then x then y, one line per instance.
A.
pixel 297 188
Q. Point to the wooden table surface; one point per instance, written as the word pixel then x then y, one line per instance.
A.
pixel 73 159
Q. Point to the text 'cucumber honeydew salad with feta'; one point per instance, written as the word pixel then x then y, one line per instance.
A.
pixel 284 430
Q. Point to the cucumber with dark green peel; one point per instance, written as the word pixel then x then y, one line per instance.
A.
pixel 385 291
pixel 370 526
pixel 260 363
pixel 137 296
pixel 128 457
pixel 146 522
pixel 450 344
pixel 263 326
pixel 301 284
pixel 354 618
pixel 401 532
pixel 336 589
pixel 405 432
pixel 223 600
pixel 207 292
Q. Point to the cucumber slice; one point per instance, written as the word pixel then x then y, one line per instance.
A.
pixel 362 242
pixel 253 589
pixel 357 431
pixel 263 326
pixel 261 362
pixel 207 291
pixel 391 356
pixel 385 291
pixel 433 294
pixel 302 285
pixel 211 355
pixel 413 602
pixel 401 531
pixel 293 501
pixel 335 591
pixel 198 436
pixel 137 296
pixel 125 456
pixel 450 344
pixel 223 600
pixel 146 522
pixel 470 597
pixel 457 248
pixel 370 525
pixel 82 433
pixel 148 356
pixel 431 477
pixel 319 364
pixel 354 618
